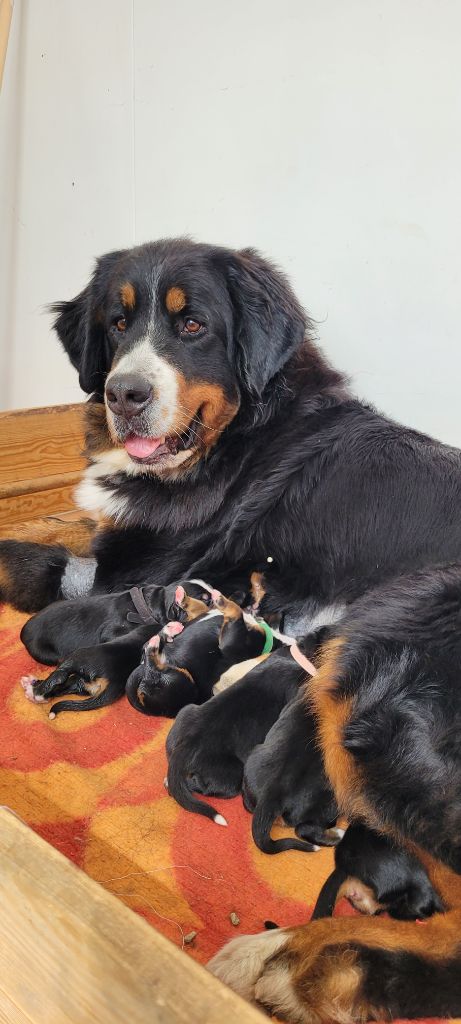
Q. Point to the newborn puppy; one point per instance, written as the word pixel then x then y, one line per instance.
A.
pixel 103 669
pixel 208 745
pixel 169 677
pixel 375 874
pixel 63 627
pixel 284 777
pixel 99 671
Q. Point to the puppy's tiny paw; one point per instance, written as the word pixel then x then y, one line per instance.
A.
pixel 28 683
pixel 173 629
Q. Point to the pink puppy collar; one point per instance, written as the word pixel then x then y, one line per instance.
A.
pixel 302 660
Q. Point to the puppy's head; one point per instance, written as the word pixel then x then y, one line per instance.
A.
pixel 157 688
pixel 241 636
pixel 185 607
pixel 174 336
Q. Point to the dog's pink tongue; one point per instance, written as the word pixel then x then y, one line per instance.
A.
pixel 142 447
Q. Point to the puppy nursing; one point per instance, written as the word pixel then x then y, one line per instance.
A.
pixel 375 874
pixel 169 677
pixel 101 670
pixel 208 746
pixel 284 778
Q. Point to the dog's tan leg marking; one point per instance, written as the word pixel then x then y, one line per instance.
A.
pixel 96 686
pixel 311 974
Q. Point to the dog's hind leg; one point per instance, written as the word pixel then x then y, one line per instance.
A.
pixel 34 575
pixel 76 535
pixel 103 694
pixel 349 969
pixel 313 833
pixel 40 690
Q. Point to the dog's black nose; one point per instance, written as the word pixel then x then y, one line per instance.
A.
pixel 128 394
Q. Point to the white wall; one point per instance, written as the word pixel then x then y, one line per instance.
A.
pixel 328 134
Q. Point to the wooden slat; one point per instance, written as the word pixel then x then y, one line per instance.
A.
pixel 40 461
pixel 38 443
pixel 70 953
pixel 34 504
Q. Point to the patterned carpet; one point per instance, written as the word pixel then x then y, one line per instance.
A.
pixel 92 786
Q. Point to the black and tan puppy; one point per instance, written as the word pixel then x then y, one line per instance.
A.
pixel 375 874
pixel 284 777
pixel 171 676
pixel 208 746
pixel 100 671
pixel 103 669
pixel 65 626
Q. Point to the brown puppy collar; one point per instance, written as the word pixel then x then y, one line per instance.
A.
pixel 142 608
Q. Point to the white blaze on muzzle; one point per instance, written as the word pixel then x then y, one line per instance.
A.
pixel 144 361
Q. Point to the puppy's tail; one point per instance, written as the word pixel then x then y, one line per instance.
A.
pixel 177 788
pixel 89 704
pixel 263 819
pixel 328 895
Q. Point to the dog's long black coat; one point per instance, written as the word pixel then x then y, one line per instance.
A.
pixel 336 494
pixel 398 669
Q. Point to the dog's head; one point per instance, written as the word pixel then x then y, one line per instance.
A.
pixel 155 687
pixel 241 636
pixel 183 605
pixel 175 336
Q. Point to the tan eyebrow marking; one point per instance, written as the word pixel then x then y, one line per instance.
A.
pixel 175 300
pixel 128 295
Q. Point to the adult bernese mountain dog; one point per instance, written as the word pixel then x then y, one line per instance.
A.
pixel 221 441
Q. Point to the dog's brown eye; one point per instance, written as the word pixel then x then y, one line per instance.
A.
pixel 192 326
pixel 121 324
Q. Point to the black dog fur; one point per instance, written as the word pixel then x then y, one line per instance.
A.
pixel 375 874
pixel 284 777
pixel 208 745
pixel 102 670
pixel 64 626
pixel 398 667
pixel 185 672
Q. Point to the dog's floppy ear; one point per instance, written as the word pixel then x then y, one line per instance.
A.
pixel 269 322
pixel 79 325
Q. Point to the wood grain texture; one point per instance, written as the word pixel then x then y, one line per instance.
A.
pixel 36 503
pixel 70 953
pixel 40 461
pixel 38 443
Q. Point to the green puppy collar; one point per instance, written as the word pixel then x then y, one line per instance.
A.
pixel 269 641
